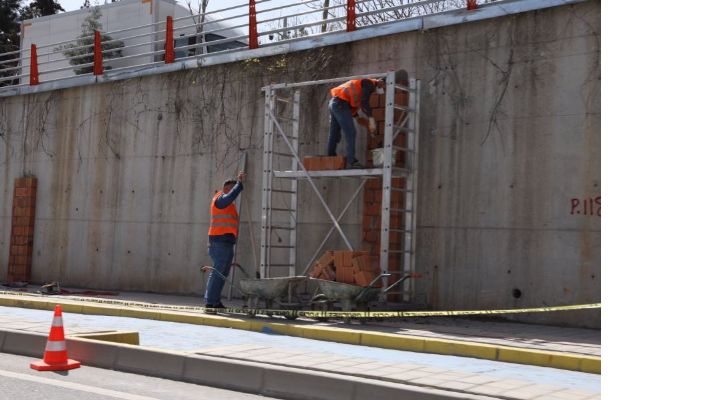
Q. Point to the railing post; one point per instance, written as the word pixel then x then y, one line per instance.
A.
pixel 169 43
pixel 253 38
pixel 350 24
pixel 471 4
pixel 98 55
pixel 34 69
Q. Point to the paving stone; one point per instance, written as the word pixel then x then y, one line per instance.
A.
pixel 509 384
pixel 456 385
pixel 477 379
pixel 532 391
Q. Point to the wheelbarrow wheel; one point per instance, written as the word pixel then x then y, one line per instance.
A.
pixel 321 303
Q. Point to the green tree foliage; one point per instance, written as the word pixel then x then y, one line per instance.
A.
pixel 82 48
pixel 9 38
pixel 40 8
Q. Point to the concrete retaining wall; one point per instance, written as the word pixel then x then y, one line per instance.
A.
pixel 510 150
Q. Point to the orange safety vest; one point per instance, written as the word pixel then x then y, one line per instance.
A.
pixel 350 91
pixel 223 220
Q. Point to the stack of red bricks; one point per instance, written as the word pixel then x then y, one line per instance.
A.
pixel 351 267
pixel 324 163
pixel 371 219
pixel 377 139
pixel 23 222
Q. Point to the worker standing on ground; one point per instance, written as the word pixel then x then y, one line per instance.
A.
pixel 223 232
pixel 350 99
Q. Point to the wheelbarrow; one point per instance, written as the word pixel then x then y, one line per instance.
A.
pixel 272 292
pixel 350 296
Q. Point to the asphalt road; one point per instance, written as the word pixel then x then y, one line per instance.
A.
pixel 19 382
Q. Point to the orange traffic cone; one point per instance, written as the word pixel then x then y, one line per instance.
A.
pixel 55 354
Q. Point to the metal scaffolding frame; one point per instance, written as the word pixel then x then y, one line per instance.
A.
pixel 279 205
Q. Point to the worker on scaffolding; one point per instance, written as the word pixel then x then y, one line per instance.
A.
pixel 349 100
pixel 223 232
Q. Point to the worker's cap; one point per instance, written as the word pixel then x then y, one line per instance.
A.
pixel 229 182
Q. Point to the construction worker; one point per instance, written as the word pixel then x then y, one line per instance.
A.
pixel 350 99
pixel 223 232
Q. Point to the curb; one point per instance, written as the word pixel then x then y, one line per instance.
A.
pixel 541 358
pixel 125 337
pixel 244 376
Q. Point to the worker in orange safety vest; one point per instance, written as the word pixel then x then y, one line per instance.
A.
pixel 223 233
pixel 348 100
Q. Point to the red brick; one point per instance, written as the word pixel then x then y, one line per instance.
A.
pixel 375 183
pixel 336 162
pixel 312 163
pixel 23 259
pixel 373 209
pixel 20 192
pixel 344 275
pixel 21 221
pixel 378 196
pixel 400 140
pixel 372 236
pixel 399 183
pixel 374 100
pixel 401 98
pixel 327 258
pixel 378 114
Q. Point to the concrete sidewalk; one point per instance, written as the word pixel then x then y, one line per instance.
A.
pixel 569 348
pixel 467 377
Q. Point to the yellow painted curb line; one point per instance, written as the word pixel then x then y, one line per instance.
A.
pixel 125 337
pixel 542 358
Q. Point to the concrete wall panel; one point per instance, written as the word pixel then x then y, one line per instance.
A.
pixel 510 140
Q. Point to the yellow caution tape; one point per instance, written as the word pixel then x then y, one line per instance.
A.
pixel 314 314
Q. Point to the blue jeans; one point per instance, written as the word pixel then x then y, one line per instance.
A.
pixel 341 118
pixel 222 255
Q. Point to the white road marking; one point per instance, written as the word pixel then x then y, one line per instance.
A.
pixel 75 386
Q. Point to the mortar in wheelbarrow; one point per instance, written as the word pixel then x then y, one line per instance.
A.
pixel 270 290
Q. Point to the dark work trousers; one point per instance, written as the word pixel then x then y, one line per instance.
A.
pixel 341 119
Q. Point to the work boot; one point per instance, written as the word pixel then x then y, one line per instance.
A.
pixel 356 165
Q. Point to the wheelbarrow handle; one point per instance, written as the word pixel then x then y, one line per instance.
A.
pixel 400 280
pixel 371 285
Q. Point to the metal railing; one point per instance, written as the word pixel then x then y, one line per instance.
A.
pixel 216 31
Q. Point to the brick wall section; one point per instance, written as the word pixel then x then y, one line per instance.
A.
pixel 23 222
pixel 372 209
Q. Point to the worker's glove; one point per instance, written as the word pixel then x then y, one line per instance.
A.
pixel 372 125
pixel 361 113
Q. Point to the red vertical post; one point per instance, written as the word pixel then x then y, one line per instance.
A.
pixel 253 38
pixel 350 18
pixel 169 43
pixel 34 69
pixel 98 55
pixel 471 4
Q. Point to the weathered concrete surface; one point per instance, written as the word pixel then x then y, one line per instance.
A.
pixel 510 137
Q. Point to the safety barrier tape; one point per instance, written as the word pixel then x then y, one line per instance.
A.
pixel 312 314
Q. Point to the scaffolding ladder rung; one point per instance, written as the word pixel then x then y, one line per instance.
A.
pixel 400 251
pixel 285 118
pixel 281 247
pixel 282 209
pixel 283 228
pixel 282 265
pixel 400 148
pixel 400 190
pixel 283 99
pixel 405 210
pixel 403 108
pixel 283 191
pixel 405 88
pixel 400 230
pixel 278 153
pixel 404 129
